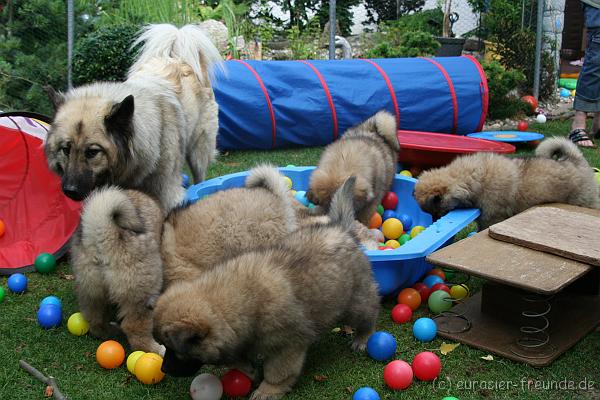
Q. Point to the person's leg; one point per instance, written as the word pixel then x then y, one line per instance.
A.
pixel 596 126
pixel 579 126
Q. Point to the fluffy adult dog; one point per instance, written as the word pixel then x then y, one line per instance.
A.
pixel 368 151
pixel 502 187
pixel 137 134
pixel 116 252
pixel 274 301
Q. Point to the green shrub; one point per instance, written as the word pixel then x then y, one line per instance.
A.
pixel 399 39
pixel 303 43
pixel 501 82
pixel 105 54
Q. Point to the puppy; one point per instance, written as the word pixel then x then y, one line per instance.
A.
pixel 123 253
pixel 368 151
pixel 502 187
pixel 137 134
pixel 274 301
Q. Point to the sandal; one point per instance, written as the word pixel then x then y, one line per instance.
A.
pixel 580 135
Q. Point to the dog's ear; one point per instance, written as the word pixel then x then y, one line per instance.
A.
pixel 119 124
pixel 460 197
pixel 57 98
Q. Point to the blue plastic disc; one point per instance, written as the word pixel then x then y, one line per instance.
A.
pixel 507 136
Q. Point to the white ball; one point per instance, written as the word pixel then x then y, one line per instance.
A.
pixel 206 387
pixel 541 118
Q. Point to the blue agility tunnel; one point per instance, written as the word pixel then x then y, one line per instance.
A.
pixel 277 104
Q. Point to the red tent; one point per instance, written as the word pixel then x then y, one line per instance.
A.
pixel 37 216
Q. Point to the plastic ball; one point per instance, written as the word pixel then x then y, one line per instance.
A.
pixel 1 294
pixel 290 166
pixel 573 92
pixel 564 92
pixel 132 359
pixel 431 280
pixel 380 209
pixel 459 292
pixel 311 205
pixel 471 234
pixel 288 183
pixel 597 175
pixel 401 313
pixel 392 228
pixel 394 244
pixel 438 301
pixel 406 173
pixel 440 286
pixel 45 263
pixel 406 221
pixel 366 393
pixel 206 387
pixel 426 366
pixel 293 192
pixel 424 329
pixel 185 180
pixel 522 126
pixel 301 197
pixel 398 375
pixel 438 272
pixel 384 248
pixel 236 383
pixel 390 201
pixel 450 398
pixel 2 228
pixel 416 231
pixel 377 235
pixel 381 346
pixel 375 221
pixel 77 325
pixel 403 239
pixel 55 301
pixel 387 214
pixel 410 297
pixel 17 283
pixel 541 119
pixel 423 290
pixel 49 316
pixel 110 354
pixel 532 101
pixel 148 368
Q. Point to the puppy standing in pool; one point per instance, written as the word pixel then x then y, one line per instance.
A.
pixel 273 301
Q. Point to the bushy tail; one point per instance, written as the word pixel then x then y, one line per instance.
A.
pixel 188 44
pixel 341 210
pixel 385 126
pixel 561 149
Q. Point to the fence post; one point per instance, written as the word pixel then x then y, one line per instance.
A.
pixel 332 29
pixel 70 23
pixel 538 48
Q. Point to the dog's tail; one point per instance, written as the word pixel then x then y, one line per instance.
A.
pixel 341 210
pixel 561 149
pixel 188 44
pixel 385 126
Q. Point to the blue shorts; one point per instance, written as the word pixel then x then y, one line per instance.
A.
pixel 587 95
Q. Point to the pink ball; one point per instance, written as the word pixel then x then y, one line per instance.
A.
pixel 401 314
pixel 440 286
pixel 389 201
pixel 398 375
pixel 426 366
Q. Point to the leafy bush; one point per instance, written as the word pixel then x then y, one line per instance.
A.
pixel 303 43
pixel 379 11
pixel 501 84
pixel 402 39
pixel 105 54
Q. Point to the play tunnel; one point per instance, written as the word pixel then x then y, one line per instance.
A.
pixel 277 104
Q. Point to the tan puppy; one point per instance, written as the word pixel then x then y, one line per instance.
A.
pixel 502 187
pixel 368 151
pixel 116 252
pixel 274 301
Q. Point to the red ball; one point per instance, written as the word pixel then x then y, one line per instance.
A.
pixel 398 375
pixel 389 201
pixel 401 313
pixel 532 101
pixel 437 272
pixel 440 286
pixel 410 297
pixel 426 366
pixel 236 383
pixel 423 290
pixel 522 126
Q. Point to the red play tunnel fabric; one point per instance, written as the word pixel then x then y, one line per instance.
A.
pixel 37 216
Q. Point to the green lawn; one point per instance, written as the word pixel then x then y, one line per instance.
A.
pixel 331 371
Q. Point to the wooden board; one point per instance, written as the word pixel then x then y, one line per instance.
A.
pixel 509 264
pixel 567 233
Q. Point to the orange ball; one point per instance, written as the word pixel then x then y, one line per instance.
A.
pixel 148 368
pixel 410 297
pixel 110 354
pixel 2 228
pixel 375 221
pixel 438 272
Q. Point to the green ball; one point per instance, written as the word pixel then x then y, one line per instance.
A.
pixel 290 166
pixel 403 239
pixel 1 294
pixel 436 301
pixel 450 398
pixel 45 263
pixel 449 273
pixel 380 209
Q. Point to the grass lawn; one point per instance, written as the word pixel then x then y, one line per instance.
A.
pixel 332 371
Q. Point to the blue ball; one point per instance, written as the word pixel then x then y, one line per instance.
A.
pixel 49 316
pixel 17 283
pixel 406 222
pixel 425 329
pixel 431 280
pixel 381 346
pixel 565 92
pixel 301 197
pixel 51 300
pixel 365 393
pixel 472 234
pixel 389 214
pixel 185 180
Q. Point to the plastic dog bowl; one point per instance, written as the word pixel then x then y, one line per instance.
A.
pixel 393 269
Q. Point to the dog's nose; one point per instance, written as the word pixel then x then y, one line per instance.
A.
pixel 72 192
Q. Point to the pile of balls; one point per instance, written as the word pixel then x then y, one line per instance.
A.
pixel 433 290
pixel 233 383
pixel 145 366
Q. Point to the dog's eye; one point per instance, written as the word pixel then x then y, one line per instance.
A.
pixel 66 149
pixel 91 153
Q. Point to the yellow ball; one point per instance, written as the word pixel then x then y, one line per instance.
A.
pixel 132 360
pixel 416 230
pixel 147 368
pixel 392 243
pixel 293 192
pixel 392 228
pixel 77 325
pixel 288 181
pixel 459 292
pixel 406 173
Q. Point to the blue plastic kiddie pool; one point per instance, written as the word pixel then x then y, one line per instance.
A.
pixel 393 269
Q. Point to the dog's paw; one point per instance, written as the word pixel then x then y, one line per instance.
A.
pixel 267 391
pixel 105 331
pixel 358 345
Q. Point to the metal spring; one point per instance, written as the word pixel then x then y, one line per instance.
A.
pixel 535 341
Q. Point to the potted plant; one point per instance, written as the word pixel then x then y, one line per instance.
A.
pixel 450 45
